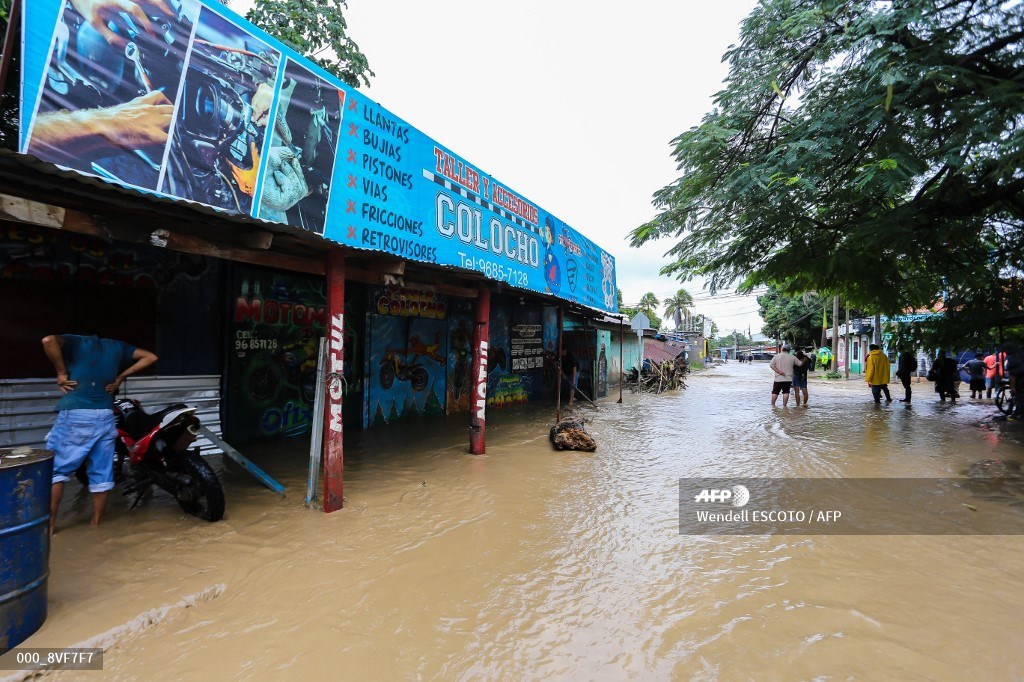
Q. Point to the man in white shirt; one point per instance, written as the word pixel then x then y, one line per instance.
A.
pixel 783 364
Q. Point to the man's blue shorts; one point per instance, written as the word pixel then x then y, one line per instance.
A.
pixel 84 436
pixel 799 381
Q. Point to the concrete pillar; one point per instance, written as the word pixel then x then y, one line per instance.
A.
pixel 478 390
pixel 334 464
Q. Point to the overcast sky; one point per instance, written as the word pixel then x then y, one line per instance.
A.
pixel 567 102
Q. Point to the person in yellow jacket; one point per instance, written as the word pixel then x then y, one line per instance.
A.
pixel 878 374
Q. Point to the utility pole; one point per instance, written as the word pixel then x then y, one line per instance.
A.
pixel 846 352
pixel 877 335
pixel 835 332
pixel 735 344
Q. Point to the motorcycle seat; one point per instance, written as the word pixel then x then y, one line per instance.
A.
pixel 139 422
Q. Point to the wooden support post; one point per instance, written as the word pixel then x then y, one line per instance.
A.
pixel 334 463
pixel 478 391
pixel 622 368
pixel 558 381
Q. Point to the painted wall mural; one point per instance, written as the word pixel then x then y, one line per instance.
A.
pixel 407 354
pixel 275 323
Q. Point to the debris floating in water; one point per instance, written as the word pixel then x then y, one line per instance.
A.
pixel 570 434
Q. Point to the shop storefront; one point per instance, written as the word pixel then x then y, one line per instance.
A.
pixel 296 210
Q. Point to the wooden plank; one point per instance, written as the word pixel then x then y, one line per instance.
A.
pixel 245 462
pixel 31 212
pixel 202 247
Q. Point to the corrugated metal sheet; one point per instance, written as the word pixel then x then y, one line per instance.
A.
pixel 26 405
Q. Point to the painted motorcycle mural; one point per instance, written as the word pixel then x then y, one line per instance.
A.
pixel 393 367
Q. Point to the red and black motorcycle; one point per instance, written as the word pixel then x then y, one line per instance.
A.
pixel 153 449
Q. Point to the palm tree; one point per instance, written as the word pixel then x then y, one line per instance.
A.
pixel 679 306
pixel 648 303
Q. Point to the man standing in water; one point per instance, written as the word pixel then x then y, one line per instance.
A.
pixel 800 376
pixel 878 374
pixel 782 364
pixel 88 375
pixel 905 368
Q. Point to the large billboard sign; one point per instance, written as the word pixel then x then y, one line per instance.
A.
pixel 185 99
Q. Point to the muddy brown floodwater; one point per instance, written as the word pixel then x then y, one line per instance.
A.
pixel 527 563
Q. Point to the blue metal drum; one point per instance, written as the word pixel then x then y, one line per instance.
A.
pixel 25 481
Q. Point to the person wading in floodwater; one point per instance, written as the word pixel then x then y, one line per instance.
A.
pixel 782 364
pixel 905 368
pixel 800 376
pixel 877 374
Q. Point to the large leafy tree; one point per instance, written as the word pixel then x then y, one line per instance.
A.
pixel 861 147
pixel 679 306
pixel 316 29
pixel 795 318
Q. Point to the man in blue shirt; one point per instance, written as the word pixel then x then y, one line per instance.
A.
pixel 89 374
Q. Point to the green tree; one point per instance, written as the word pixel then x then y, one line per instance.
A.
pixel 796 318
pixel 870 149
pixel 316 29
pixel 648 305
pixel 679 306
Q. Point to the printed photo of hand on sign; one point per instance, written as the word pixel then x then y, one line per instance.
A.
pixel 284 186
pixel 106 103
pixel 300 166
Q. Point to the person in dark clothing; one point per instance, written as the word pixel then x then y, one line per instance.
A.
pixel 905 368
pixel 800 377
pixel 570 372
pixel 946 372
pixel 1015 373
pixel 976 370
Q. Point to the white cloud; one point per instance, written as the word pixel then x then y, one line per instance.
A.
pixel 573 104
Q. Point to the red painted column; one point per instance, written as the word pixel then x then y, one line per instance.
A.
pixel 478 392
pixel 334 465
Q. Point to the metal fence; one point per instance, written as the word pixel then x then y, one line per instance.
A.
pixel 27 405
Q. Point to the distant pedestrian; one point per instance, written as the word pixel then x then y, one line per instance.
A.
pixel 946 374
pixel 782 364
pixel 993 371
pixel 976 371
pixel 905 368
pixel 878 373
pixel 800 376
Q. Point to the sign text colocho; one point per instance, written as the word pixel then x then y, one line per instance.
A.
pixel 198 104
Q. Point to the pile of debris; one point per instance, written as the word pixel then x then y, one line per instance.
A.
pixel 658 377
pixel 570 434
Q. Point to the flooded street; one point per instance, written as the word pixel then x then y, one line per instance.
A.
pixel 527 563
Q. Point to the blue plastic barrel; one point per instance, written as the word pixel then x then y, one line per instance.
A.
pixel 25 481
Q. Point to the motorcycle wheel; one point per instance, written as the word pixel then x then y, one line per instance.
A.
pixel 203 496
pixel 1003 401
pixel 387 375
pixel 418 379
